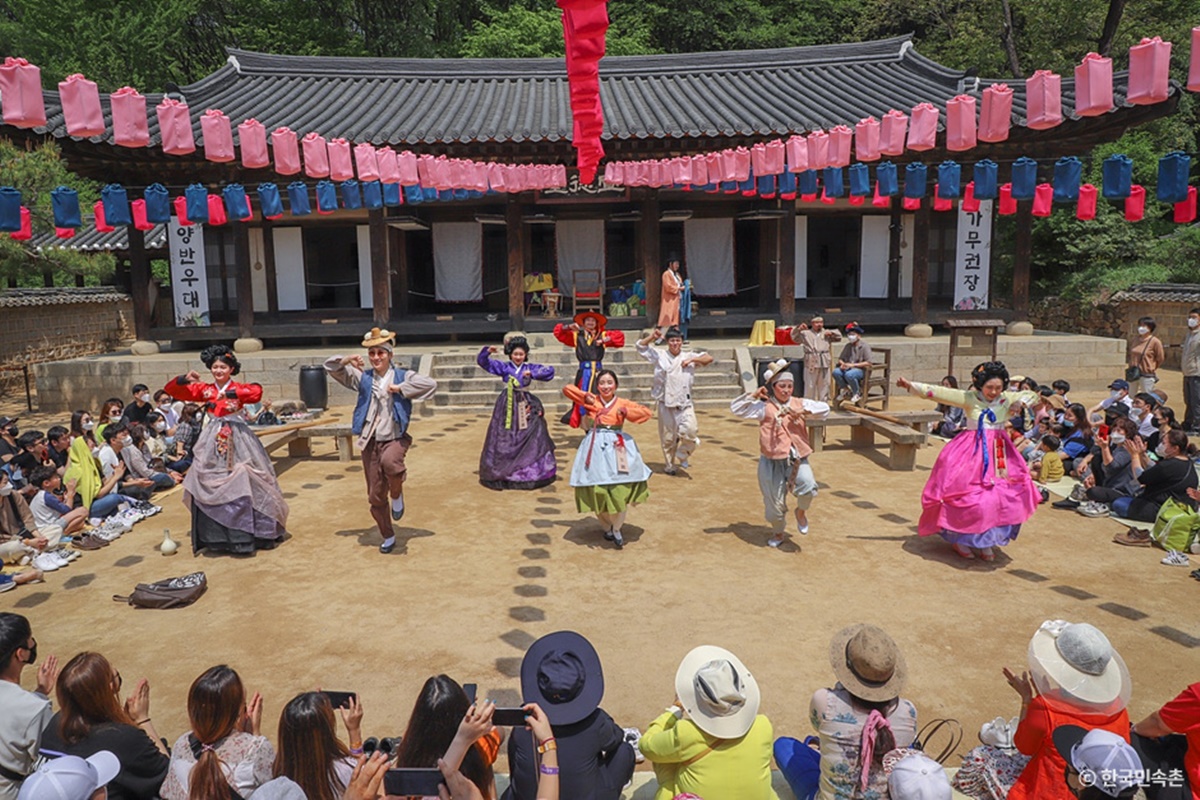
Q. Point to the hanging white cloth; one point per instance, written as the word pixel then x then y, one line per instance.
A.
pixel 708 244
pixel 579 245
pixel 458 261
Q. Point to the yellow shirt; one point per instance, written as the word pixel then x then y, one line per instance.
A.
pixel 735 769
pixel 1052 468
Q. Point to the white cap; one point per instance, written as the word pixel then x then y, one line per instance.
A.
pixel 70 777
pixel 918 777
pixel 1102 758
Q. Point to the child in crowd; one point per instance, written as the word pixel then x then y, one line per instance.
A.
pixel 48 509
pixel 1048 466
pixel 1061 388
pixel 954 419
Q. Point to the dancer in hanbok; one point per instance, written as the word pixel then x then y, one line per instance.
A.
pixel 587 335
pixel 517 450
pixel 609 474
pixel 231 487
pixel 980 490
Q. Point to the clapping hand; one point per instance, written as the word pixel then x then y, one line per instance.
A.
pixel 137 705
pixel 47 675
pixel 252 722
pixel 1021 684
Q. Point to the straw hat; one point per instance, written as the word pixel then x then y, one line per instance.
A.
pixel 868 663
pixel 777 370
pixel 1079 660
pixel 377 337
pixel 717 691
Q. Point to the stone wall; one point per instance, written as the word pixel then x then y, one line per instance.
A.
pixel 1116 320
pixel 58 326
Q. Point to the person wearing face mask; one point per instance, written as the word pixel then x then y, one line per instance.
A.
pixel 1144 406
pixel 979 491
pixel 116 439
pixel 100 494
pixel 1111 476
pixel 1190 365
pixel 26 714
pixel 1118 393
pixel 165 405
pixel 1144 355
pixel 20 536
pixel 9 431
pixel 852 366
pixel 140 407
pixel 110 412
pixel 518 452
pixel 1170 478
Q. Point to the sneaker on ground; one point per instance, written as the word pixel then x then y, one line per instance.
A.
pixel 633 736
pixel 46 562
pixel 7 582
pixel 1176 558
pixel 669 470
pixel 1093 510
pixel 854 398
pixel 775 540
pixel 1078 494
pixel 684 465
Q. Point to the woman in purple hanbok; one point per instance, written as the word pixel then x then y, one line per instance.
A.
pixel 517 451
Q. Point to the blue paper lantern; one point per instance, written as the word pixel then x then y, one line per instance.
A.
pixel 986 176
pixel 269 200
pixel 391 195
pixel 116 205
pixel 1173 177
pixel 1068 175
pixel 835 182
pixel 196 202
pixel 766 186
pixel 860 180
pixel 1024 178
pixel 949 180
pixel 1117 177
pixel 65 202
pixel 236 203
pixel 807 181
pixel 372 194
pixel 787 185
pixel 10 209
pixel 916 175
pixel 298 199
pixel 158 204
pixel 351 195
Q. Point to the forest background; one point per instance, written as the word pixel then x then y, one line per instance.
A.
pixel 154 45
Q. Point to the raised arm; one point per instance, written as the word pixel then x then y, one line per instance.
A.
pixel 416 386
pixel 580 397
pixel 185 389
pixel 346 370
pixel 635 412
pixel 485 361
pixel 614 339
pixel 938 394
pixel 248 393
pixel 540 372
pixel 749 406
pixel 565 334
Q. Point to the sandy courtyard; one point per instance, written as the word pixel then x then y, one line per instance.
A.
pixel 478 575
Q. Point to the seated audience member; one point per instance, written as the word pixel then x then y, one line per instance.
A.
pixel 159 447
pixel 1111 473
pixel 9 431
pixel 92 718
pixel 188 430
pixel 26 713
pixel 863 716
pixel 165 405
pixel 1169 740
pixel 224 751
pixel 110 412
pixel 954 419
pixel 58 446
pixel 916 776
pixel 1118 393
pixel 20 535
pixel 1171 477
pixel 310 752
pixel 1144 404
pixel 1075 677
pixel 99 494
pixel 71 778
pixel 1047 466
pixel 139 465
pixel 561 672
pixel 711 741
pixel 1062 389
pixel 445 725
pixel 48 509
pixel 1164 420
pixel 140 407
pixel 1100 765
pixel 33 455
pixel 1077 441
pixel 83 426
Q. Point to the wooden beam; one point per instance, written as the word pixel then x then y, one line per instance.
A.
pixel 381 289
pixel 243 280
pixel 139 283
pixel 920 245
pixel 517 244
pixel 1022 260
pixel 268 234
pixel 786 228
pixel 766 267
pixel 895 253
pixel 398 257
pixel 649 257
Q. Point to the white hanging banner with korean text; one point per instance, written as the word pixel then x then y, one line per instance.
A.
pixel 973 257
pixel 189 274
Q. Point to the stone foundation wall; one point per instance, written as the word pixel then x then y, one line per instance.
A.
pixel 1115 320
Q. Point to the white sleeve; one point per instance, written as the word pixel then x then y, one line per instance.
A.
pixel 647 352
pixel 748 407
pixel 815 408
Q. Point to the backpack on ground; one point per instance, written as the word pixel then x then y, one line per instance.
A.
pixel 169 593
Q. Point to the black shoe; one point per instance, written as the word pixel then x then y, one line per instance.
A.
pixel 609 536
pixel 387 548
pixel 398 517
pixel 618 540
pixel 1067 503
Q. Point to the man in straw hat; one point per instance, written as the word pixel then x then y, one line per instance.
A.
pixel 587 335
pixel 816 340
pixel 712 741
pixel 381 416
pixel 674 372
pixel 783 445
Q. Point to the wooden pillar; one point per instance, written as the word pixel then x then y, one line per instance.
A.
pixel 381 290
pixel 1022 260
pixel 139 283
pixel 398 255
pixel 517 243
pixel 895 252
pixel 786 227
pixel 48 277
pixel 268 235
pixel 920 244
pixel 649 257
pixel 243 281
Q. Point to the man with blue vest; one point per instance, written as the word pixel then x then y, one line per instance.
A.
pixel 381 416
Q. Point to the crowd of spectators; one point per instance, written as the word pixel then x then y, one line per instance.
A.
pixel 1072 737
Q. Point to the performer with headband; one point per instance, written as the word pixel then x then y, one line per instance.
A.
pixel 609 474
pixel 587 335
pixel 674 373
pixel 518 452
pixel 783 444
pixel 231 488
pixel 381 416
pixel 979 491
pixel 816 340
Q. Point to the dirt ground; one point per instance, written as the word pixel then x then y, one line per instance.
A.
pixel 480 574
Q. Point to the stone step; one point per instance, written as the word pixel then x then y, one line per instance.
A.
pixel 483 383
pixel 443 371
pixel 640 394
pixel 565 355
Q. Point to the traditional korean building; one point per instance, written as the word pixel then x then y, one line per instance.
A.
pixel 460 266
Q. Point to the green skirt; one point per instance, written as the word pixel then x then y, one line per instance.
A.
pixel 610 499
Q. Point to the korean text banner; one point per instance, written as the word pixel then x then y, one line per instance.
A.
pixel 189 277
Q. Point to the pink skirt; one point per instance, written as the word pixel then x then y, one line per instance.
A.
pixel 969 502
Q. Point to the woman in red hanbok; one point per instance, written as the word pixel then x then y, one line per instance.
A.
pixel 231 487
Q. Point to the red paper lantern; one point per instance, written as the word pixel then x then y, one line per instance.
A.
pixel 1185 210
pixel 970 203
pixel 1007 205
pixel 26 231
pixel 101 223
pixel 1043 200
pixel 1086 207
pixel 1135 204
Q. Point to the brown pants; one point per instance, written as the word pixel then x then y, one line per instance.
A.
pixel 384 469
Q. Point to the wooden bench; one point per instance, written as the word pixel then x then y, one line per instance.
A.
pixel 301 447
pixel 905 439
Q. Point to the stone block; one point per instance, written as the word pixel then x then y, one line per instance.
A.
pixel 144 348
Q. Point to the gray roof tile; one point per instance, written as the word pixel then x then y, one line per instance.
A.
pixel 11 298
pixel 88 238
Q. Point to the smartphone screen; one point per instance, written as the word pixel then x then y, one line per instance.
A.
pixel 340 699
pixel 509 717
pixel 412 782
pixel 471 690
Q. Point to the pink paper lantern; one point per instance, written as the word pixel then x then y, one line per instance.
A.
pixel 1093 86
pixel 922 127
pixel 252 141
pixel 700 171
pixel 960 123
pixel 840 139
pixel 1043 100
pixel 406 163
pixel 81 106
pixel 285 147
pixel 866 139
pixel 995 117
pixel 21 94
pixel 341 165
pixel 893 130
pixel 741 164
pixel 818 150
pixel 1193 83
pixel 389 167
pixel 218 135
pixel 316 155
pixel 1149 72
pixel 130 128
pixel 366 161
pixel 175 127
pixel 797 153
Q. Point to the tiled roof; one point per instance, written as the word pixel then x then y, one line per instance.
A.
pixel 1160 293
pixel 410 102
pixel 11 298
pixel 89 239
